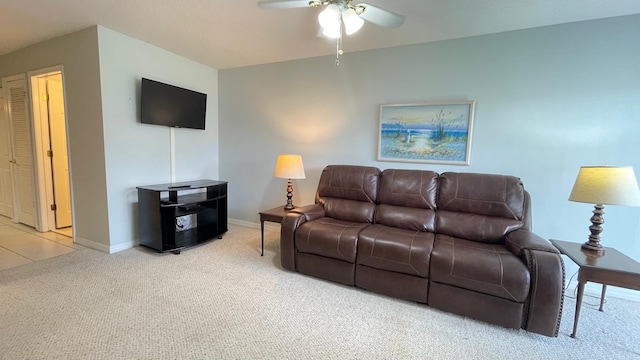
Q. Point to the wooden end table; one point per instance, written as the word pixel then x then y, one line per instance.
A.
pixel 274 215
pixel 613 268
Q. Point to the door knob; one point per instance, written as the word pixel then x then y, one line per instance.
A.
pixel 12 161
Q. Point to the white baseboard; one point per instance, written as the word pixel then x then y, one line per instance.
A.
pixel 595 290
pixel 104 248
pixel 122 246
pixel 244 223
pixel 267 225
pixel 92 244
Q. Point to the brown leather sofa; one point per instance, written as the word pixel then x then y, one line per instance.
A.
pixel 460 242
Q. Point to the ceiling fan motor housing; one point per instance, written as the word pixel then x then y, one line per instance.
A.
pixel 343 4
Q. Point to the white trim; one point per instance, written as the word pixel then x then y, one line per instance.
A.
pixel 594 290
pixel 243 223
pixel 105 248
pixel 92 244
pixel 268 225
pixel 45 71
pixel 121 246
pixel 43 190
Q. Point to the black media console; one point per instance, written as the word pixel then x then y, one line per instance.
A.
pixel 172 217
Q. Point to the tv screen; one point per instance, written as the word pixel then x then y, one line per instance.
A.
pixel 164 104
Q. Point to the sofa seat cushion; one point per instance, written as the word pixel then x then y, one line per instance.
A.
pixel 329 237
pixel 486 268
pixel 393 249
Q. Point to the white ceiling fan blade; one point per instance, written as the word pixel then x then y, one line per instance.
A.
pixel 283 4
pixel 380 16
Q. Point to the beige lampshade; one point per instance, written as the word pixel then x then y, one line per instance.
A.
pixel 289 167
pixel 606 185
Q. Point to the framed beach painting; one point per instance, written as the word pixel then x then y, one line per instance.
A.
pixel 432 132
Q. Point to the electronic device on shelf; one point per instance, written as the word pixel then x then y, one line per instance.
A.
pixel 179 187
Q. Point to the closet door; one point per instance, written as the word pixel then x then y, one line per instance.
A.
pixel 22 164
pixel 6 192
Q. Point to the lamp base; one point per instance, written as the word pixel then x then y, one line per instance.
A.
pixel 289 205
pixel 595 249
pixel 593 244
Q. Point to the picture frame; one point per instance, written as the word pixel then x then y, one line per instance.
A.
pixel 429 132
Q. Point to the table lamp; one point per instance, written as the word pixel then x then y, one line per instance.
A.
pixel 289 167
pixel 602 185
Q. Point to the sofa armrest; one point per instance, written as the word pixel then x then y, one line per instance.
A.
pixel 546 295
pixel 310 212
pixel 520 240
pixel 290 223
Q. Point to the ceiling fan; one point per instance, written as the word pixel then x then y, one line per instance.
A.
pixel 340 15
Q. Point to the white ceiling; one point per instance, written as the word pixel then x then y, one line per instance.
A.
pixel 231 33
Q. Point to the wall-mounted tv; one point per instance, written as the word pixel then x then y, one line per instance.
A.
pixel 168 105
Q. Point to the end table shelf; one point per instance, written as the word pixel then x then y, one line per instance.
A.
pixel 163 208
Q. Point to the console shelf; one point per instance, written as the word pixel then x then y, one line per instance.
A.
pixel 164 208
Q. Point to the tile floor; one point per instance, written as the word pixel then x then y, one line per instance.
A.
pixel 21 244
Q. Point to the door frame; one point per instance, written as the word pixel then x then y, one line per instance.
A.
pixel 44 173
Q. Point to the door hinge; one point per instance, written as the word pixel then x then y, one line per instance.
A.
pixel 50 153
pixel 45 97
pixel 54 207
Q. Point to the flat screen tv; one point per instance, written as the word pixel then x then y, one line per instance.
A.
pixel 168 105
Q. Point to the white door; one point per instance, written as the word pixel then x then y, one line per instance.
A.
pixel 6 192
pixel 59 160
pixel 21 148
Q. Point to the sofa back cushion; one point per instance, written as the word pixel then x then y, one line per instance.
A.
pixel 349 210
pixel 349 192
pixel 480 207
pixel 407 199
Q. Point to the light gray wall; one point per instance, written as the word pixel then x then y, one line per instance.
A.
pixel 549 100
pixel 78 54
pixel 110 151
pixel 139 154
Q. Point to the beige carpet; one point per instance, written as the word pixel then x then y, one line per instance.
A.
pixel 222 300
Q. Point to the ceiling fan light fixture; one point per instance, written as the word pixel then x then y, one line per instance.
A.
pixel 352 22
pixel 330 17
pixel 332 33
pixel 340 14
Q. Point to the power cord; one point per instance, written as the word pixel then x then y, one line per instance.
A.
pixel 575 294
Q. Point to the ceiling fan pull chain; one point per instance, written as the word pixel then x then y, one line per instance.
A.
pixel 339 40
